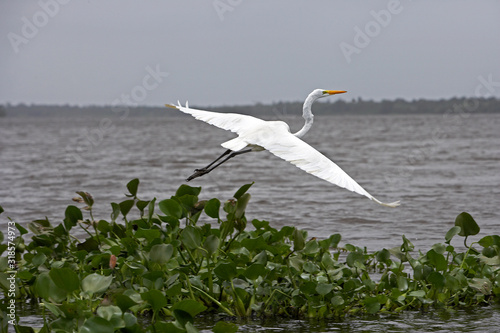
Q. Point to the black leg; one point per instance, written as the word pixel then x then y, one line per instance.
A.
pixel 218 158
pixel 208 168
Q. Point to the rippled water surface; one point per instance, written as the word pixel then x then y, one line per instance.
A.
pixel 437 166
pixel 477 321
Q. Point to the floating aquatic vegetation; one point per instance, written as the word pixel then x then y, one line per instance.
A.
pixel 169 265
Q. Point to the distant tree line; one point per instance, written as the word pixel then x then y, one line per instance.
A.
pixel 354 107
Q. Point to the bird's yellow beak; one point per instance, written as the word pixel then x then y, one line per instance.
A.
pixel 333 92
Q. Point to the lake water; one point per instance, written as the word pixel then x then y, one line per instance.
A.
pixel 437 165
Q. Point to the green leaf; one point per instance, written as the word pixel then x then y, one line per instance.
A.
pixel 372 305
pixel 148 234
pixel 170 207
pixel 132 187
pixel 174 290
pixel 354 257
pixel 190 306
pixel 402 282
pixel 241 205
pixel 437 260
pixel 417 293
pixel 332 241
pixel 436 279
pixel 311 247
pixel 72 215
pixel 335 240
pixel 47 289
pixel 155 298
pixel 467 224
pixel 97 324
pixel 95 283
pixel 161 253
pixel 261 258
pixel 190 328
pixel 129 319
pixel 126 206
pixel 482 285
pixel 254 271
pixel 186 189
pixel 172 221
pixel 211 244
pixel 226 271
pixel 124 302
pixel 141 204
pixel 260 224
pixel 297 263
pixel 109 312
pixel 452 283
pixel 191 237
pixel 89 245
pixel 384 256
pixel 242 190
pixel 418 272
pixel 161 326
pixel 39 259
pixel 115 211
pixel 182 318
pixel 65 278
pixel 407 245
pixel 324 288
pixel 87 198
pixel 451 233
pixel 212 208
pixel 225 327
pixel 311 267
pixel 308 288
pixel 298 240
pixel 488 241
pixel 337 300
pixel 439 248
pixel 151 209
pixel 22 230
pixel 53 308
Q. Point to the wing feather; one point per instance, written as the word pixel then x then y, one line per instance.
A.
pixel 237 123
pixel 285 145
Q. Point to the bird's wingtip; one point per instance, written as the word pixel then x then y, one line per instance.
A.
pixel 391 204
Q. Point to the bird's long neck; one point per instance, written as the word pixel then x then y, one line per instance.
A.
pixel 307 115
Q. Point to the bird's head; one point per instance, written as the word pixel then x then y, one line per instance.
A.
pixel 325 93
pixel 320 93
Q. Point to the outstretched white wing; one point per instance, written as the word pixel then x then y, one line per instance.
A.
pixel 285 145
pixel 237 123
pixel 275 137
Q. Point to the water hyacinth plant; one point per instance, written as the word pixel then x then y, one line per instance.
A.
pixel 168 266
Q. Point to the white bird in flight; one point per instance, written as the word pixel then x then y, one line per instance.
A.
pixel 255 134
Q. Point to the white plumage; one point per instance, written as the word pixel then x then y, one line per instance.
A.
pixel 275 136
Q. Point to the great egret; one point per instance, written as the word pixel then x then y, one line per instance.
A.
pixel 255 134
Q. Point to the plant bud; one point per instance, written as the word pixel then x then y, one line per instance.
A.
pixel 112 261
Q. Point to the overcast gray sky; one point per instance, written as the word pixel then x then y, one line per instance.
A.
pixel 220 52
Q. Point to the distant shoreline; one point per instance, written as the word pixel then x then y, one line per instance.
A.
pixel 354 107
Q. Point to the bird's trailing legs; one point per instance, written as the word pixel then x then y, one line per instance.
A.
pixel 229 153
